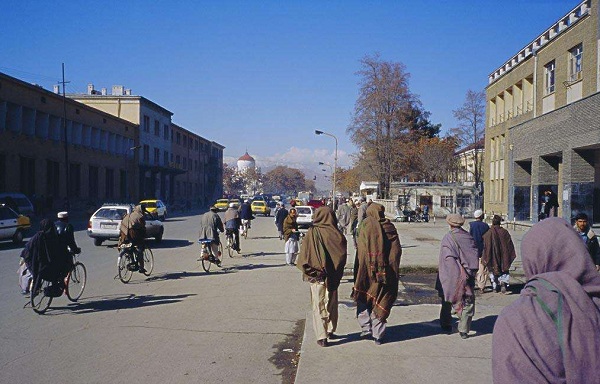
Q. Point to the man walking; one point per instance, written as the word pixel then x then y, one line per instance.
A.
pixel 458 264
pixel 322 260
pixel 376 269
pixel 498 254
pixel 589 238
pixel 343 216
pixel 282 213
pixel 476 229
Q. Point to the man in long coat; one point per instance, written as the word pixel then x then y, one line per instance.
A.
pixel 458 264
pixel 322 259
pixel 377 265
pixel 498 254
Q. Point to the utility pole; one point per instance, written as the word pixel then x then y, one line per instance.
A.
pixel 63 82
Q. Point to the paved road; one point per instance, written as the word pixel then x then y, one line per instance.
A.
pixel 180 325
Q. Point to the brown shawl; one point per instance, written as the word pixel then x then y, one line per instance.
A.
pixel 378 257
pixel 498 250
pixel 323 253
pixel 289 226
pixel 557 341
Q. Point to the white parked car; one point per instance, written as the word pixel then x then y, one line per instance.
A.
pixel 305 216
pixel 104 223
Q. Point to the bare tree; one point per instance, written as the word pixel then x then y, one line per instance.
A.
pixel 383 116
pixel 471 128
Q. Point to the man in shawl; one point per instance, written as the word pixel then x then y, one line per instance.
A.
pixel 282 213
pixel 133 230
pixel 550 333
pixel 377 265
pixel 46 257
pixel 498 255
pixel 210 226
pixel 458 265
pixel 232 225
pixel 322 260
pixel 477 229
pixel 291 235
pixel 343 216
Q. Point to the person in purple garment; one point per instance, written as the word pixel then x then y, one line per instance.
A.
pixel 551 334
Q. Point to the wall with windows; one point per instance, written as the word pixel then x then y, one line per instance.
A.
pixel 32 136
pixel 556 69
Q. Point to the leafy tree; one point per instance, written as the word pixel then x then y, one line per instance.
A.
pixel 471 127
pixel 283 179
pixel 383 117
pixel 232 182
pixel 436 158
pixel 348 180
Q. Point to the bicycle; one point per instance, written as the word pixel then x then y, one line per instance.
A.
pixel 207 257
pixel 229 235
pixel 245 227
pixel 127 261
pixel 43 291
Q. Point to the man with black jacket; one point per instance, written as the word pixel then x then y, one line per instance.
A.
pixel 589 237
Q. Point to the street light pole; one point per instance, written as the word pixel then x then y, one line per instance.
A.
pixel 332 179
pixel 317 132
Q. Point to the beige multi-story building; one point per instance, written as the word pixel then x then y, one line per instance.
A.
pixel 542 126
pixel 34 153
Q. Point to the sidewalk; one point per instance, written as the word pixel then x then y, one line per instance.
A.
pixel 415 351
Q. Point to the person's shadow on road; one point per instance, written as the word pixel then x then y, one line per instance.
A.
pixel 118 302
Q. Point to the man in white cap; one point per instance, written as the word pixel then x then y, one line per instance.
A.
pixel 477 229
pixel 66 232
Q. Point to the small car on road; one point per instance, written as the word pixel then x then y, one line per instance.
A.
pixel 222 204
pixel 105 222
pixel 305 216
pixel 260 207
pixel 12 225
pixel 156 207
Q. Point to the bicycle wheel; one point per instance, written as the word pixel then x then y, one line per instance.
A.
pixel 220 254
pixel 206 265
pixel 148 261
pixel 39 301
pixel 230 246
pixel 75 281
pixel 125 260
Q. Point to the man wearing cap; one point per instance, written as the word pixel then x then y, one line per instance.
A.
pixel 458 264
pixel 498 254
pixel 589 237
pixel 232 225
pixel 477 228
pixel 66 233
pixel 210 226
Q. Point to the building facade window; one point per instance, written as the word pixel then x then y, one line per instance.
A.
pixel 93 181
pixel 156 156
pixel 178 140
pixel 146 123
pixel 166 158
pixel 53 178
pixel 549 71
pixel 575 56
pixel 75 176
pixel 166 132
pixel 109 185
pixel 446 201
pixel 156 128
pixel 146 153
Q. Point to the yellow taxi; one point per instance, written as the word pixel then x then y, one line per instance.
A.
pixel 156 207
pixel 260 207
pixel 222 204
pixel 13 226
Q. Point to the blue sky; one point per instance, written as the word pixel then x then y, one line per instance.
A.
pixel 263 75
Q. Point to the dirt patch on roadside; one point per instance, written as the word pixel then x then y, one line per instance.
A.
pixel 287 353
pixel 418 287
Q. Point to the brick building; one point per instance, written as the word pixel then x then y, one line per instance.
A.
pixel 32 149
pixel 542 126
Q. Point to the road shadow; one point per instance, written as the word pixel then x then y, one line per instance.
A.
pixel 173 220
pixel 262 237
pixel 171 243
pixel 88 305
pixel 249 267
pixel 483 326
pixel 260 254
pixel 10 245
pixel 175 275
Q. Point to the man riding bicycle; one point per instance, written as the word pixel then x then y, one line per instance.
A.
pixel 232 225
pixel 66 232
pixel 246 213
pixel 133 231
pixel 47 258
pixel 210 226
